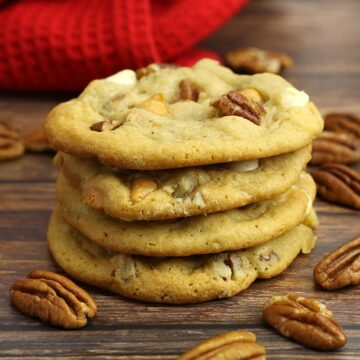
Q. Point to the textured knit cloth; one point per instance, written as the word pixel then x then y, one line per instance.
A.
pixel 63 44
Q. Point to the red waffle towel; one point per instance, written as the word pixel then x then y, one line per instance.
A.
pixel 63 44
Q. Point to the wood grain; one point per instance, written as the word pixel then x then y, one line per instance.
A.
pixel 324 38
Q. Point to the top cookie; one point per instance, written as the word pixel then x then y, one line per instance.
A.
pixel 177 117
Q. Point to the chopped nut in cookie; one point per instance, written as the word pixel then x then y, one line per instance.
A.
pixel 106 125
pixel 188 91
pixel 186 185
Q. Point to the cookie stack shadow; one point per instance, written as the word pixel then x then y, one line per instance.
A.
pixel 181 235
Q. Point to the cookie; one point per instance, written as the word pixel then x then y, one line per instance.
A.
pixel 218 232
pixel 181 117
pixel 173 280
pixel 133 195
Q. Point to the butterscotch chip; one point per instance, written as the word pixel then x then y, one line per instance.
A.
pixel 252 94
pixel 53 298
pixel 155 104
pixel 141 187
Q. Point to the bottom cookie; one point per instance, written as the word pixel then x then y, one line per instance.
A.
pixel 189 279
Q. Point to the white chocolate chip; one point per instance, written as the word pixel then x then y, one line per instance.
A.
pixel 292 97
pixel 124 77
pixel 309 204
pixel 198 199
pixel 243 166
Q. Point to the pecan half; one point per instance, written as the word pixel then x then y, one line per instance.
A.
pixel 36 140
pixel 106 125
pixel 235 103
pixel 11 145
pixel 307 321
pixel 233 345
pixel 338 183
pixel 188 91
pixel 337 147
pixel 253 60
pixel 345 123
pixel 53 298
pixel 341 267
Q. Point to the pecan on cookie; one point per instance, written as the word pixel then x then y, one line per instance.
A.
pixel 235 103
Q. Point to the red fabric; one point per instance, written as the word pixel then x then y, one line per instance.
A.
pixel 63 44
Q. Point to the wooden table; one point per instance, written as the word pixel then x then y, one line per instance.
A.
pixel 324 38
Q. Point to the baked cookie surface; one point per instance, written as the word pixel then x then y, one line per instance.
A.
pixel 218 232
pixel 173 280
pixel 131 195
pixel 157 122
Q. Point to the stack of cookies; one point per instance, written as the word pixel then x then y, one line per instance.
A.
pixel 182 185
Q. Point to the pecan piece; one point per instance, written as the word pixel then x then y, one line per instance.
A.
pixel 341 267
pixel 106 125
pixel 235 103
pixel 345 123
pixel 337 147
pixel 186 185
pixel 11 145
pixel 53 298
pixel 338 183
pixel 253 60
pixel 145 71
pixel 235 345
pixel 141 187
pixel 188 91
pixel 307 321
pixel 36 140
pixel 153 68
